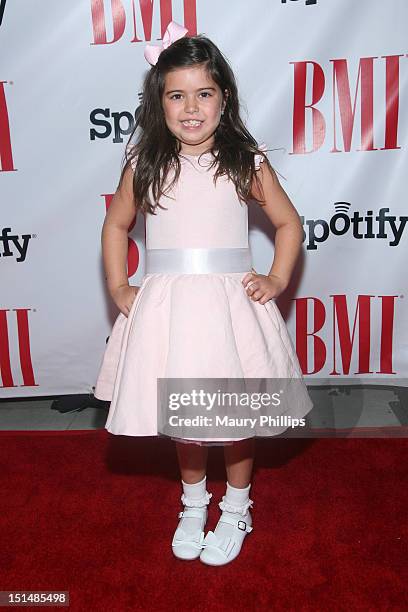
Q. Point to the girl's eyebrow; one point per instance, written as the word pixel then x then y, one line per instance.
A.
pixel 182 91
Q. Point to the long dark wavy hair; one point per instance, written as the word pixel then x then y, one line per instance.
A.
pixel 156 149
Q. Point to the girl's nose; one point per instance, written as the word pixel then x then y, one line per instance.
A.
pixel 191 105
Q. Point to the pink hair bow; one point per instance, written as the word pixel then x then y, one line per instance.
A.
pixel 173 32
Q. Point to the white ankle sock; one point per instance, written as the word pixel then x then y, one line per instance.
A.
pixel 237 503
pixel 194 496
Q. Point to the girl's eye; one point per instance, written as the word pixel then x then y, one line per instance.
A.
pixel 206 94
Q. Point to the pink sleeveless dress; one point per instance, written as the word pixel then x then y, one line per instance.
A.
pixel 192 325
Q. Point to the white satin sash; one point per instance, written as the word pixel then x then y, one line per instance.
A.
pixel 197 261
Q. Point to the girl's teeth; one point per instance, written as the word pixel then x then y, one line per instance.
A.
pixel 191 123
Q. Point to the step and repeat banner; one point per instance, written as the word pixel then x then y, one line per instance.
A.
pixel 324 83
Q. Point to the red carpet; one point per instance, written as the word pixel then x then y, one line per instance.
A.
pixel 93 514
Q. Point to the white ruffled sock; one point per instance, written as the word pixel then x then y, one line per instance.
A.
pixel 194 496
pixel 237 503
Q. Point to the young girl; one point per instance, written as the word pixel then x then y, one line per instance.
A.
pixel 200 312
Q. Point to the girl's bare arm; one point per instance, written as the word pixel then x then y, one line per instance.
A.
pixel 120 214
pixel 283 215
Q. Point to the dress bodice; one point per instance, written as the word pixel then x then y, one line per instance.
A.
pixel 200 214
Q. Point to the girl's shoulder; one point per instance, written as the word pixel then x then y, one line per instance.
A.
pixel 259 158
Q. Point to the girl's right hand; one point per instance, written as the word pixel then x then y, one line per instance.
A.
pixel 124 296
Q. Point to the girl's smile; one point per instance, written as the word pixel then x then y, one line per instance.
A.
pixel 192 125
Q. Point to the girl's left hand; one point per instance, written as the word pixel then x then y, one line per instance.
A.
pixel 263 288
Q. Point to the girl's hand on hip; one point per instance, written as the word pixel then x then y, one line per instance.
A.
pixel 262 288
pixel 124 296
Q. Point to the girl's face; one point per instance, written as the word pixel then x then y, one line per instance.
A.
pixel 192 104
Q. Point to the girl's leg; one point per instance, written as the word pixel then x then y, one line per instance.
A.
pixel 239 459
pixel 189 535
pixel 224 543
pixel 192 460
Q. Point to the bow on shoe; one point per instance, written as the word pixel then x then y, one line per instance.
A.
pixel 181 537
pixel 224 545
pixel 174 31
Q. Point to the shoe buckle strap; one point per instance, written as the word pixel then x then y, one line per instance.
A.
pixel 241 525
pixel 192 513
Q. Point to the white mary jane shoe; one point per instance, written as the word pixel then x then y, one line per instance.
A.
pixel 222 550
pixel 188 546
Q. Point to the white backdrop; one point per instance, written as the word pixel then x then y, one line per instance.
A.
pixel 323 84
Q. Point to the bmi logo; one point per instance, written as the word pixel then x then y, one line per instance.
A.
pixel 123 11
pixel 333 334
pixel 311 76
